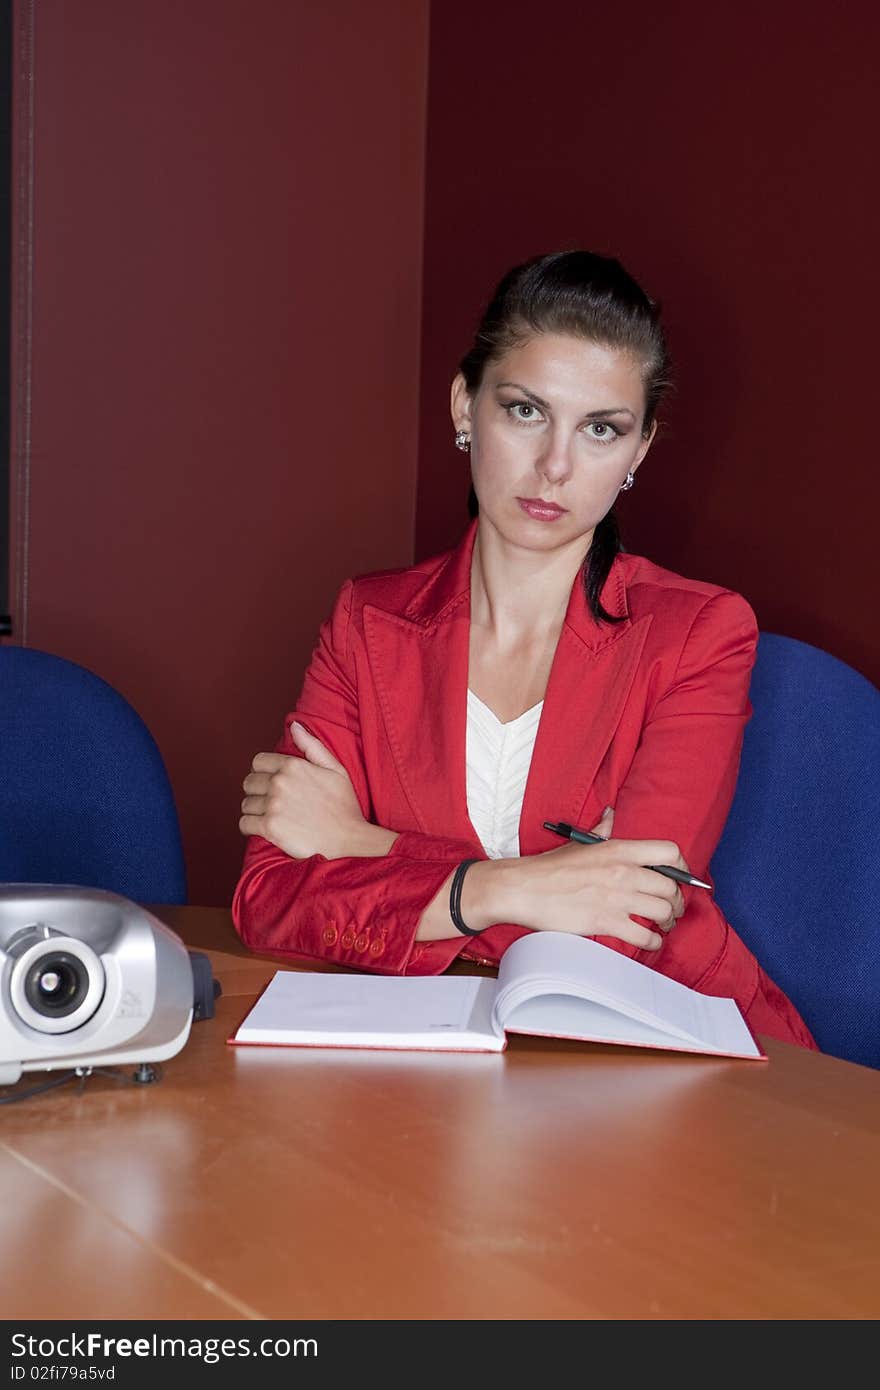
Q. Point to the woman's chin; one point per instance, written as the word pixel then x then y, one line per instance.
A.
pixel 517 529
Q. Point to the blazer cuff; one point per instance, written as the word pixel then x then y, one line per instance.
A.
pixel 413 844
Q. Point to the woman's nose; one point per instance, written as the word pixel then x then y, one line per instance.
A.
pixel 555 461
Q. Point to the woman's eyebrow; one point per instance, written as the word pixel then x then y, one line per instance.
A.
pixel 545 405
pixel 517 386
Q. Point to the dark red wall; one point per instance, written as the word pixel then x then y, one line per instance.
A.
pixel 227 259
pixel 725 154
pixel 227 287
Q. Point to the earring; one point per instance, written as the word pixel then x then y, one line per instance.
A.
pixel 627 484
pixel 463 441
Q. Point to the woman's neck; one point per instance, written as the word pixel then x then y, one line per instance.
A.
pixel 518 595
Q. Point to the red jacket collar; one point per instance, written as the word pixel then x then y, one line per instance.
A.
pixel 447 588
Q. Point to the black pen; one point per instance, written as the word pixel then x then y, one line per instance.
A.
pixel 586 837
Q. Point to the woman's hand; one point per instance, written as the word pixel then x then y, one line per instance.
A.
pixel 587 890
pixel 304 805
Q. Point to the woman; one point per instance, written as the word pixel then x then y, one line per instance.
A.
pixel 534 673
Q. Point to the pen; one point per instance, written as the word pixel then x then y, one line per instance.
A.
pixel 586 837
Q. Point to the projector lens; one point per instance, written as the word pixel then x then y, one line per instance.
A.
pixel 56 984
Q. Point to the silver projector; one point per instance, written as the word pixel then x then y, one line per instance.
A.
pixel 87 978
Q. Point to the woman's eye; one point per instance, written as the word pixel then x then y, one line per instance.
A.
pixel 602 431
pixel 523 411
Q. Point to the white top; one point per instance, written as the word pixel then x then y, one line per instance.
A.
pixel 498 760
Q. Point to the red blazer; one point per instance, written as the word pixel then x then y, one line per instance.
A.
pixel 645 715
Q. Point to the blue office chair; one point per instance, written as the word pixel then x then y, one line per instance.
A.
pixel 796 871
pixel 84 794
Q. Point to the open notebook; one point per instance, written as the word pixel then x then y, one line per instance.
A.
pixel 549 984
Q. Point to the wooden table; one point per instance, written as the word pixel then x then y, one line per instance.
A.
pixel 558 1180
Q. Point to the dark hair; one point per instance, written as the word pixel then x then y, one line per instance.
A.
pixel 588 296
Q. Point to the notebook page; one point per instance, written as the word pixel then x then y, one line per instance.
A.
pixel 314 1009
pixel 548 962
pixel 563 1016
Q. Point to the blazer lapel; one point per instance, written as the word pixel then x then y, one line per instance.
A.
pixel 590 681
pixel 419 662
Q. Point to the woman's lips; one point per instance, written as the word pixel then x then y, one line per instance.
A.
pixel 541 511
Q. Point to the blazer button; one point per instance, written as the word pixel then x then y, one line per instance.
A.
pixel 376 948
pixel 347 939
pixel 361 942
pixel 330 935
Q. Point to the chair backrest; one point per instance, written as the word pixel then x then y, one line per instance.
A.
pixel 796 871
pixel 84 794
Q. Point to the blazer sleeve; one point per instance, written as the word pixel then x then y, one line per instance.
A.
pixel 360 912
pixel 680 787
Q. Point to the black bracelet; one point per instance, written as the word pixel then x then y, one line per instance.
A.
pixel 455 898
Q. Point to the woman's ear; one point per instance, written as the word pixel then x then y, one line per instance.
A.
pixel 460 404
